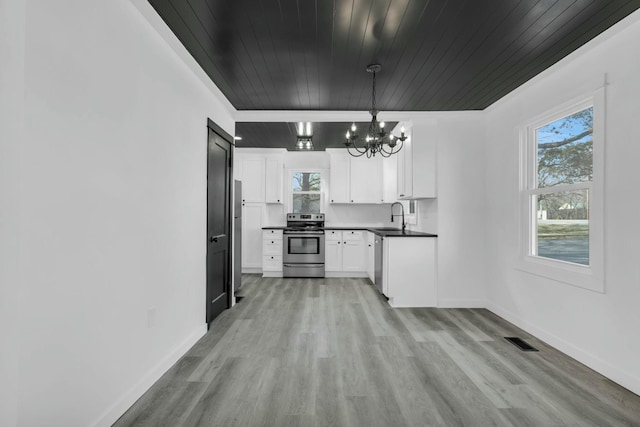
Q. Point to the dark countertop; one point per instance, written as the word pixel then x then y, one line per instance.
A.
pixel 381 231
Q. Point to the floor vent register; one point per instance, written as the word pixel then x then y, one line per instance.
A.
pixel 521 344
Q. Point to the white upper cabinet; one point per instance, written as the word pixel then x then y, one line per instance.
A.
pixel 273 180
pixel 253 180
pixel 417 162
pixel 390 179
pixel 339 177
pixel 365 179
pixel 355 179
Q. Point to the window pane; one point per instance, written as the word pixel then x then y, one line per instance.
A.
pixel 565 150
pixel 306 203
pixel 563 226
pixel 306 181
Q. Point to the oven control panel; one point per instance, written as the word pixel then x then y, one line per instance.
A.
pixel 305 217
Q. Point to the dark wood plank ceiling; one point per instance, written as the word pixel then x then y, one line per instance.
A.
pixel 435 54
pixel 284 135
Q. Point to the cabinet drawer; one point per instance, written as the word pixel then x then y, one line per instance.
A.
pixel 272 263
pixel 333 235
pixel 352 235
pixel 272 247
pixel 270 234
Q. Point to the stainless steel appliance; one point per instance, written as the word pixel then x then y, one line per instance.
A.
pixel 237 235
pixel 378 263
pixel 303 245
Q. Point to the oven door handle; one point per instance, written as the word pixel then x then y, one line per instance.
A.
pixel 308 233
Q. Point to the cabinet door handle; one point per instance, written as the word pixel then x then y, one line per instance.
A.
pixel 402 195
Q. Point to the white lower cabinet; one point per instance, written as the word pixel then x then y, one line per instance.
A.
pixel 332 251
pixel 252 214
pixel 371 256
pixel 409 271
pixel 271 253
pixel 345 253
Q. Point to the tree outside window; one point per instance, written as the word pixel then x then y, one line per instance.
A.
pixel 564 169
pixel 307 192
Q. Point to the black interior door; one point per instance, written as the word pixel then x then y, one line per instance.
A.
pixel 218 221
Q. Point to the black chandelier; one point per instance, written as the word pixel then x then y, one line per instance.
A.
pixel 377 139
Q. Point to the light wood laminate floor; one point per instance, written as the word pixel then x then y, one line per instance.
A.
pixel 331 352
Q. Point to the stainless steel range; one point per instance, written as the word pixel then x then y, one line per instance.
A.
pixel 303 245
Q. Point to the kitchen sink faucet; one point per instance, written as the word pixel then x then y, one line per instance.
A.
pixel 392 215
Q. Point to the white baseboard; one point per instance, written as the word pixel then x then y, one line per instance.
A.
pixel 462 303
pixel 116 410
pixel 345 274
pixel 252 270
pixel 272 274
pixel 615 374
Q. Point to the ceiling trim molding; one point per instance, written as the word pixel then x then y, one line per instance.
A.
pixel 341 116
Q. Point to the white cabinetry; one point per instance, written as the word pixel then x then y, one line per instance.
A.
pixel 333 251
pixel 365 179
pixel 273 180
pixel 371 253
pixel 355 179
pixel 390 179
pixel 416 170
pixel 339 177
pixel 409 271
pixel 272 253
pixel 345 253
pixel 252 176
pixel 252 214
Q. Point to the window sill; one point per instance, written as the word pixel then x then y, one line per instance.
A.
pixel 585 277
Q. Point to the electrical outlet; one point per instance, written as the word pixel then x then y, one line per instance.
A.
pixel 151 317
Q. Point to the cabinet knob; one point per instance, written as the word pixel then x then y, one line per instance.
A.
pixel 331 200
pixel 272 242
pixel 278 200
pixel 338 242
pixel 352 201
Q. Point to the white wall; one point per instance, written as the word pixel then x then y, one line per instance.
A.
pixel 597 329
pixel 12 24
pixel 112 213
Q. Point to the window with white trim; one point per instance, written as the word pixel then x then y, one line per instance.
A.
pixel 562 198
pixel 306 194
